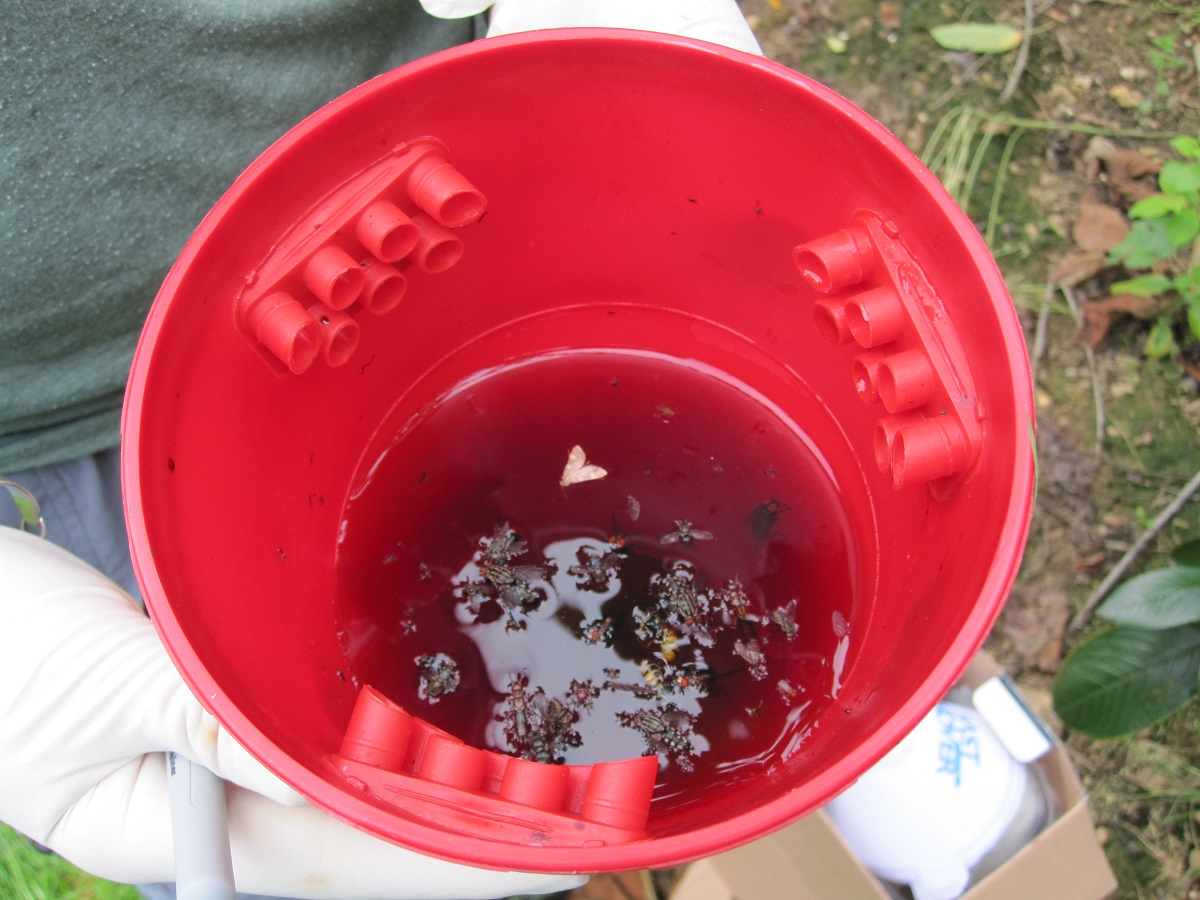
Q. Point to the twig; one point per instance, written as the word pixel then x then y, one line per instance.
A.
pixel 1038 350
pixel 1082 128
pixel 1160 522
pixel 1014 77
pixel 963 77
pixel 1097 394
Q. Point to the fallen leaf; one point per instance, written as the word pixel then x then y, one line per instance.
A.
pixel 1096 316
pixel 1098 225
pixel 1124 96
pixel 1035 624
pixel 1132 175
pixel 977 38
pixel 578 469
pixel 1078 266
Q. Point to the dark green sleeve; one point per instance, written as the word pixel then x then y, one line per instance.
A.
pixel 121 124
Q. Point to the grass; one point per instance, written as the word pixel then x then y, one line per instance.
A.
pixel 26 874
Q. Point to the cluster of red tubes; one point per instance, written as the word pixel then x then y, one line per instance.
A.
pixel 402 759
pixel 352 250
pixel 911 361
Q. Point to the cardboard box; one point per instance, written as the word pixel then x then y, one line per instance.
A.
pixel 810 861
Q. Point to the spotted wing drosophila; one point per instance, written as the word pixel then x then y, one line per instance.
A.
pixel 685 533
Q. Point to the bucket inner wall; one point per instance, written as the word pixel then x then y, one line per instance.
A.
pixel 646 205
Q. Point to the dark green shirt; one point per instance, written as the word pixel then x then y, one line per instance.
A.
pixel 121 124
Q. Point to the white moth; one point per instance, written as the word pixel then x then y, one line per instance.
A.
pixel 579 469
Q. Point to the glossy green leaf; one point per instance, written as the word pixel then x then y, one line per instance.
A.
pixel 1186 146
pixel 977 38
pixel 1160 598
pixel 1142 286
pixel 1146 243
pixel 1182 227
pixel 1156 206
pixel 1188 284
pixel 1160 342
pixel 1187 553
pixel 1126 679
pixel 1179 177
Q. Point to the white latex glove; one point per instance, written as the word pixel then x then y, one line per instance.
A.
pixel 716 21
pixel 89 700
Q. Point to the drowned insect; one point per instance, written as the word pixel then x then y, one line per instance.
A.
pixel 787 690
pixel 668 644
pixel 666 731
pixel 653 674
pixel 538 727
pixel 510 586
pixel 751 651
pixel 733 602
pixel 684 605
pixel 619 544
pixel 648 627
pixel 503 545
pixel 578 469
pixel 437 676
pixel 640 690
pixel 599 631
pixel 687 677
pixel 764 516
pixel 514 591
pixel 685 533
pixel 785 619
pixel 594 568
pixel 582 694
pixel 633 508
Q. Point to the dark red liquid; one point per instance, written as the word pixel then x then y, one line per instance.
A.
pixel 678 442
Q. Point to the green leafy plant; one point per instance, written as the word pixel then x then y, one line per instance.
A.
pixel 1165 57
pixel 1147 665
pixel 1163 225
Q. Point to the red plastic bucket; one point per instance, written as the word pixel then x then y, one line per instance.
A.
pixel 788 353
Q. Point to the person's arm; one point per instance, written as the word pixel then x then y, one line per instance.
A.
pixel 716 21
pixel 89 705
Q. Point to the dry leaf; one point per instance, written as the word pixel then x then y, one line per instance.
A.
pixel 1098 226
pixel 1035 624
pixel 1132 175
pixel 1078 266
pixel 1097 315
pixel 579 469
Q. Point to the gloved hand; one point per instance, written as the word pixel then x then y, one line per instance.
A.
pixel 89 700
pixel 716 21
